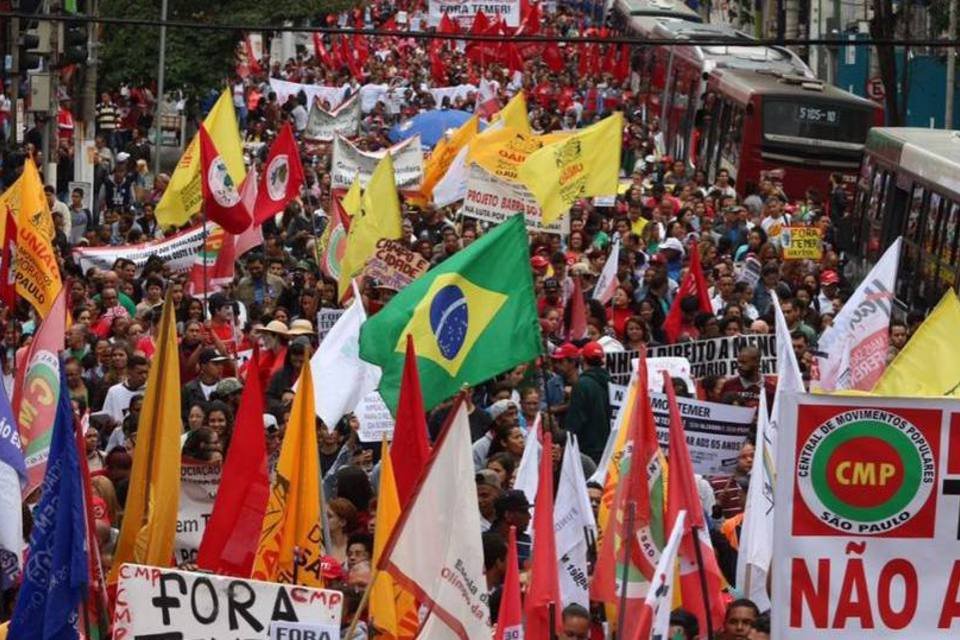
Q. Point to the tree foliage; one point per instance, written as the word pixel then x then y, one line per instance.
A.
pixel 196 59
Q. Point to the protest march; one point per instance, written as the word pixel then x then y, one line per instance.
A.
pixel 432 336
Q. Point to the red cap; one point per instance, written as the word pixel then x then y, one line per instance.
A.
pixel 565 351
pixel 592 351
pixel 829 277
pixel 330 569
pixel 539 263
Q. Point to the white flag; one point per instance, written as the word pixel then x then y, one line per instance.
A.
pixel 655 609
pixel 453 185
pixel 437 549
pixel 756 533
pixel 607 283
pixel 340 377
pixel 856 344
pixel 572 520
pixel 527 476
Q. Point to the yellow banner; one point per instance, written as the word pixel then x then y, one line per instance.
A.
pixel 801 243
pixel 514 114
pixel 584 164
pixel 184 194
pixel 443 154
pixel 36 269
pixel 503 151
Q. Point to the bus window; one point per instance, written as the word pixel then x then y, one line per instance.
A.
pixel 867 170
pixel 949 231
pixel 929 247
pixel 732 139
pixel 911 267
pixel 722 124
pixel 873 221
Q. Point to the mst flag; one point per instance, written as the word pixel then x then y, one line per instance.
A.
pixel 283 176
pixel 471 317
pixel 221 193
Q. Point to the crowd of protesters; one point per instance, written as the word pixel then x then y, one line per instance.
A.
pixel 665 211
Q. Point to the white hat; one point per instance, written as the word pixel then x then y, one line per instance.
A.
pixel 672 243
pixel 123 156
pixel 499 408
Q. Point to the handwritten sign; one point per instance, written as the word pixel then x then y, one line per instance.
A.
pixel 374 418
pixel 801 243
pixel 394 266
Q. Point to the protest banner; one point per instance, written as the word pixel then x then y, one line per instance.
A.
pixel 199 482
pixel 717 356
pixel 866 525
pixel 493 200
pixel 394 266
pixel 349 161
pixel 333 96
pixel 153 602
pixel 801 243
pixel 464 11
pixel 715 432
pixel 457 92
pixel 374 418
pixel 178 252
pixel 326 125
pixel 326 318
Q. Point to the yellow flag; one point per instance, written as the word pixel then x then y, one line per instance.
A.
pixel 514 114
pixel 585 164
pixel 443 154
pixel 150 516
pixel 351 199
pixel 378 218
pixel 503 151
pixel 35 268
pixel 184 194
pixel 929 365
pixel 393 610
pixel 292 520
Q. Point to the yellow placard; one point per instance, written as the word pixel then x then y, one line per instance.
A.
pixel 802 243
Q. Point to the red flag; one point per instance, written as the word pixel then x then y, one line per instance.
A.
pixel 97 600
pixel 450 26
pixel 8 289
pixel 390 24
pixel 530 20
pixel 553 58
pixel 347 57
pixel 622 72
pixel 610 60
pixel 682 495
pixel 233 532
pixel 283 177
pixel 694 284
pixel 510 618
pixel 410 449
pixel 544 588
pixel 576 319
pixel 583 60
pixel 320 51
pixel 221 198
pixel 438 70
pixel 481 24
pixel 594 56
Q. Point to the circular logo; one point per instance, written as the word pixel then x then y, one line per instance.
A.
pixel 449 320
pixel 278 175
pixel 221 184
pixel 335 251
pixel 866 472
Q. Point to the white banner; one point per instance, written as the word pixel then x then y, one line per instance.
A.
pixel 493 200
pixel 331 95
pixel 464 11
pixel 199 482
pixel 374 418
pixel 326 125
pixel 178 252
pixel 459 91
pixel 348 161
pixel 164 603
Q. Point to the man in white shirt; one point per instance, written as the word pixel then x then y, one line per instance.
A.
pixel 117 402
pixel 775 221
pixel 56 206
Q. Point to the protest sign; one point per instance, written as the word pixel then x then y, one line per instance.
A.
pixel 464 11
pixel 749 271
pixel 283 630
pixel 199 482
pixel 394 266
pixel 332 96
pixel 327 125
pixel 715 432
pixel 865 529
pixel 801 243
pixel 717 356
pixel 349 161
pixel 457 92
pixel 165 603
pixel 493 200
pixel 374 418
pixel 326 318
pixel 178 252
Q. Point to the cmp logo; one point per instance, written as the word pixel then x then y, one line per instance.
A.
pixel 867 472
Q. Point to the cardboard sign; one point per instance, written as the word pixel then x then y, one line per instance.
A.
pixel 199 482
pixel 394 266
pixel 178 252
pixel 349 161
pixel 867 518
pixel 715 432
pixel 464 11
pixel 326 125
pixel 493 200
pixel 326 318
pixel 165 603
pixel 282 630
pixel 374 418
pixel 801 243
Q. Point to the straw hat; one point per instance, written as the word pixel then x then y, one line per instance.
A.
pixel 275 326
pixel 301 327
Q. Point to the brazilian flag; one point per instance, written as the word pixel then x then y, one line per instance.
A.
pixel 471 317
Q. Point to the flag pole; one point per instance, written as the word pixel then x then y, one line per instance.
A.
pixel 364 600
pixel 552 612
pixel 622 609
pixel 703 579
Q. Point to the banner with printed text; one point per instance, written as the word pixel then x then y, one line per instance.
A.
pixel 199 482
pixel 153 602
pixel 177 252
pixel 493 200
pixel 349 161
pixel 867 526
pixel 326 125
pixel 464 11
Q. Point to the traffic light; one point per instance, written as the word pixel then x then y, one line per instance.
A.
pixel 74 43
pixel 34 46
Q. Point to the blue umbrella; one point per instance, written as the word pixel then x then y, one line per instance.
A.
pixel 431 125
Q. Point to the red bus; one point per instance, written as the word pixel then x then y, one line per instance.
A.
pixel 793 130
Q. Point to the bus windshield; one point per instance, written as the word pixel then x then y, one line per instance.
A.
pixel 815 120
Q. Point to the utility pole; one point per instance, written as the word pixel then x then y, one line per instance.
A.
pixel 951 67
pixel 15 71
pixel 157 120
pixel 89 97
pixel 50 133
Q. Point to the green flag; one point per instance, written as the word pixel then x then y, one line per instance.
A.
pixel 472 317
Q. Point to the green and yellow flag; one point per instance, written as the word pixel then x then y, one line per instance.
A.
pixel 472 317
pixel 585 164
pixel 184 194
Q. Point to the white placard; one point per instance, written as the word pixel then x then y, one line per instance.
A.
pixel 348 161
pixel 464 11
pixel 494 199
pixel 374 418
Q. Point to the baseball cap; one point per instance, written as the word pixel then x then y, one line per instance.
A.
pixel 228 386
pixel 551 283
pixel 539 263
pixel 565 351
pixel 592 351
pixel 672 244
pixel 270 423
pixel 488 477
pixel 212 355
pixel 829 277
pixel 512 500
